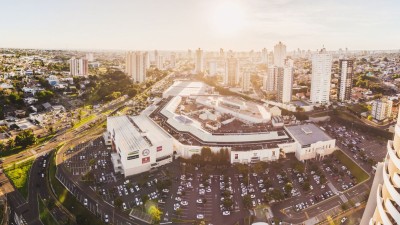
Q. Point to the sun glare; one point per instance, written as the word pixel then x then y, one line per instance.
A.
pixel 228 18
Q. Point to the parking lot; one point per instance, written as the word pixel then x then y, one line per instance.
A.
pixel 364 148
pixel 216 195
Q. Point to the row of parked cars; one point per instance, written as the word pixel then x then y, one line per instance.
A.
pixel 313 200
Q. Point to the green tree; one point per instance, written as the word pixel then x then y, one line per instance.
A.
pixel 277 194
pixel 299 167
pixel 44 96
pixel 288 187
pixel 306 186
pixel 1 113
pixel 25 138
pixel 247 201
pixel 227 202
pixel 118 202
pixel 2 146
pixel 92 162
pixel 155 213
pixel 10 143
pixel 206 154
pixel 145 198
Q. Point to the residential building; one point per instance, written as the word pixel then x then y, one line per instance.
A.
pixel 231 71
pixel 78 66
pixel 345 79
pixel 221 53
pixel 384 199
pixel 279 54
pixel 270 83
pixel 321 77
pixel 199 64
pixel 381 109
pixel 136 64
pixel 245 82
pixel 264 56
pixel 160 62
pixel 212 68
pixel 285 82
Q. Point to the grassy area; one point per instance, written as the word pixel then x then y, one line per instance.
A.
pixel 320 114
pixel 83 216
pixel 359 108
pixel 347 116
pixel 43 139
pixel 19 174
pixel 15 150
pixel 357 172
pixel 45 215
pixel 107 112
pixel 84 121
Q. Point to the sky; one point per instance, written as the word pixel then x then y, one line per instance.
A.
pixel 208 24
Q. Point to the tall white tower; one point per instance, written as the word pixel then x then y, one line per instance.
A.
pixel 136 64
pixel 285 82
pixel 321 77
pixel 231 76
pixel 270 81
pixel 387 193
pixel 345 79
pixel 279 54
pixel 78 66
pixel 264 56
pixel 245 81
pixel 199 64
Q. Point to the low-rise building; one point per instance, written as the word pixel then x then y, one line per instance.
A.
pixel 311 141
pixel 138 144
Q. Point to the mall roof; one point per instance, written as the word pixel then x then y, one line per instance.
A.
pixel 307 134
pixel 185 88
pixel 135 132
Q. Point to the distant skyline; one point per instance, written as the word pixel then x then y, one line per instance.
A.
pixel 208 24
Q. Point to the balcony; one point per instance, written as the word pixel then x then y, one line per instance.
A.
pixel 379 204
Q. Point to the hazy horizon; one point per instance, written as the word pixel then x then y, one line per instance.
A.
pixel 179 25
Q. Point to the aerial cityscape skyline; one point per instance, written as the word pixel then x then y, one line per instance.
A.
pixel 237 25
pixel 241 112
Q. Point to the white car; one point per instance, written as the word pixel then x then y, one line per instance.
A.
pixel 199 201
pixel 85 202
pixel 124 206
pixel 263 190
pixel 178 199
pixel 184 203
pixel 165 190
pixel 106 219
pixel 226 213
pixel 176 206
pixel 200 216
pixel 343 220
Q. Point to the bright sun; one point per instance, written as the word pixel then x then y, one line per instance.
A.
pixel 228 18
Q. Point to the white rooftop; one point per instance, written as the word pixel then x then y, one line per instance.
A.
pixel 185 88
pixel 135 132
pixel 185 124
pixel 308 134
